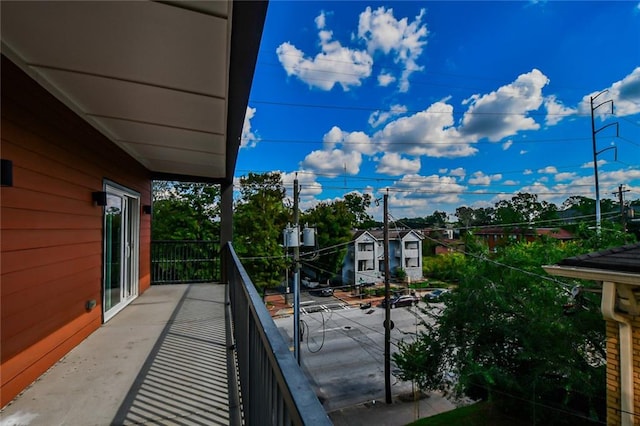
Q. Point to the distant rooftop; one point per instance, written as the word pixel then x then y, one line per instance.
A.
pixel 622 259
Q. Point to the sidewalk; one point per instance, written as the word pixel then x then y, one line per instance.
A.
pixel 398 413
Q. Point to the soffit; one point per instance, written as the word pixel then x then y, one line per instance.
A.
pixel 153 77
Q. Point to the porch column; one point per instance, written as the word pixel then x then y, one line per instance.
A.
pixel 226 213
pixel 226 226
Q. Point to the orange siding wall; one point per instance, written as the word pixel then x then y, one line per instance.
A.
pixel 51 232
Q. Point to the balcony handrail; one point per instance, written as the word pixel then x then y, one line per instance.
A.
pixel 273 388
pixel 185 261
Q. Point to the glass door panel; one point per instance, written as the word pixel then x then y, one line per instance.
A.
pixel 113 251
pixel 121 231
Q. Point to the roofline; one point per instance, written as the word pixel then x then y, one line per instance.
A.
pixel 593 274
pixel 244 38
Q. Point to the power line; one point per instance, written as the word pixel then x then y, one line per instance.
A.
pixel 436 143
pixel 362 108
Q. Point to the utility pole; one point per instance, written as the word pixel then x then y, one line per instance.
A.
pixel 387 305
pixel 594 132
pixel 623 216
pixel 296 274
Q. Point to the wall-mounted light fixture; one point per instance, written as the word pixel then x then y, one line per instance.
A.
pixel 6 172
pixel 146 209
pixel 99 197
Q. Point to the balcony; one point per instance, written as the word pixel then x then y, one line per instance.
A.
pixel 181 354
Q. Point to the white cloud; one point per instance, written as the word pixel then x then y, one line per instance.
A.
pixel 556 111
pixel 385 79
pixel 565 176
pixel 624 93
pixel 479 178
pixel 334 64
pixel 248 139
pixel 333 163
pixel 607 181
pixel 507 145
pixel 321 21
pixel 378 117
pixel 384 33
pixel 427 132
pixel 394 165
pixel 523 151
pixel 589 165
pixel 504 112
pixel 443 171
pixel 510 182
pixel 548 170
pixel 307 181
pixel 459 172
pixel 413 190
pixel 527 172
pixel 348 141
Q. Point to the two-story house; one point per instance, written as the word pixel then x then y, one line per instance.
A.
pixel 364 261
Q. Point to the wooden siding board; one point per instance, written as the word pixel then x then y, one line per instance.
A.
pixel 16 218
pixel 23 239
pixel 41 275
pixel 26 259
pixel 29 326
pixel 51 250
pixel 30 298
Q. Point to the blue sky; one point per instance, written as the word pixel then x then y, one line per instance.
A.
pixel 445 104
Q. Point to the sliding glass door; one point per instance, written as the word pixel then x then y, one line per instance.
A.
pixel 121 231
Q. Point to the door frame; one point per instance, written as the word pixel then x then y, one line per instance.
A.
pixel 130 253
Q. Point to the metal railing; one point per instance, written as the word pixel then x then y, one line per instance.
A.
pixel 185 261
pixel 273 388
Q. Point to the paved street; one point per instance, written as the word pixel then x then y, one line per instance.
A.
pixel 343 349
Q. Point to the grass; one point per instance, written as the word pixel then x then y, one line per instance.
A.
pixel 479 414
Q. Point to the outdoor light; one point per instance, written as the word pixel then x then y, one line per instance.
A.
pixel 99 197
pixel 6 175
pixel 146 209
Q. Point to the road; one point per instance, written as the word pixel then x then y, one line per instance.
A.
pixel 343 349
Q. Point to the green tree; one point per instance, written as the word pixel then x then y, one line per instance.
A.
pixel 469 217
pixel 334 222
pixel 185 211
pixel 437 219
pixel 507 334
pixel 259 219
pixel 524 209
pixel 357 205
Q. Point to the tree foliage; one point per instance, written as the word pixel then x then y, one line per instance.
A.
pixel 185 211
pixel 524 209
pixel 259 218
pixel 334 222
pixel 507 334
pixel 469 217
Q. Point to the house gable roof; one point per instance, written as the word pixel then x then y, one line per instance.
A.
pixel 622 259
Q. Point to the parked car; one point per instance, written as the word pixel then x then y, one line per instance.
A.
pixel 323 292
pixel 435 295
pixel 403 300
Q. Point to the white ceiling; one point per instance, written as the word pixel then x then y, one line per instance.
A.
pixel 151 76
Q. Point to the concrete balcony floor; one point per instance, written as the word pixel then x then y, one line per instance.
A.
pixel 162 360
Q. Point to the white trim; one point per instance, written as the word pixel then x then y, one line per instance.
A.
pixel 132 212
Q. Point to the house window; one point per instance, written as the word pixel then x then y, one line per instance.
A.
pixel 365 246
pixel 411 262
pixel 365 265
pixel 411 245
